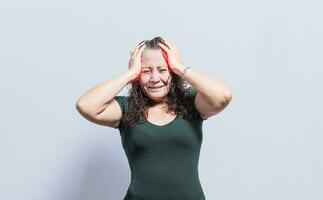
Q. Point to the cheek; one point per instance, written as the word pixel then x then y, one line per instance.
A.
pixel 144 80
pixel 168 79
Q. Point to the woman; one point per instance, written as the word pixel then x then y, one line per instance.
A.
pixel 160 122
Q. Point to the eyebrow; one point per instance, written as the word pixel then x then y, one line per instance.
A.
pixel 157 67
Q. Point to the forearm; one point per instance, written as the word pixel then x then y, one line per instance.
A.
pixel 210 89
pixel 95 100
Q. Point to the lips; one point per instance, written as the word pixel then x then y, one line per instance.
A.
pixel 155 87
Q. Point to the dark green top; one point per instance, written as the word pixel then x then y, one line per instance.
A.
pixel 164 159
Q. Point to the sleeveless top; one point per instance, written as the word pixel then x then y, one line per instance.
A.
pixel 163 159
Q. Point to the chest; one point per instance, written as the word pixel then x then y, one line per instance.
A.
pixel 159 117
pixel 149 137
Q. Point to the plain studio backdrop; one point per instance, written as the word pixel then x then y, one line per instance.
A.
pixel 266 145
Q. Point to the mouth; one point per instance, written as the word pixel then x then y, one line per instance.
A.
pixel 155 87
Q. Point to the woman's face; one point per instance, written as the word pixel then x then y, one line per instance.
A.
pixel 155 77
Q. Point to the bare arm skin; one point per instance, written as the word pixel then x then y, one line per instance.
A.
pixel 212 96
pixel 98 104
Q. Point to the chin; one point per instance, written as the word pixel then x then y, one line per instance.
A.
pixel 156 95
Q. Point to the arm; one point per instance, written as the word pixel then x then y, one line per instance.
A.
pixel 98 104
pixel 95 100
pixel 212 94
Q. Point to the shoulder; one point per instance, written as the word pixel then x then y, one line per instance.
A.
pixel 190 94
pixel 123 102
pixel 192 98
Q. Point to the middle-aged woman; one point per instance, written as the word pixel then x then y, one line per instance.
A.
pixel 160 122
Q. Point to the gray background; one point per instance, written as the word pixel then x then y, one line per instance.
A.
pixel 267 144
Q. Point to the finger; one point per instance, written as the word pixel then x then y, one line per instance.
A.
pixel 164 47
pixel 173 46
pixel 165 56
pixel 141 45
pixel 169 44
pixel 141 49
pixel 166 44
pixel 131 51
pixel 138 47
pixel 141 42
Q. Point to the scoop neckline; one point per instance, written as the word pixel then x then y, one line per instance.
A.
pixel 169 123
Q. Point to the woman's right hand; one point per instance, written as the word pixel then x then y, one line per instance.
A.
pixel 135 59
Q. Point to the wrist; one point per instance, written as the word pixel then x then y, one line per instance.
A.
pixel 132 75
pixel 184 71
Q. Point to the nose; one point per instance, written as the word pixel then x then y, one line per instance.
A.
pixel 155 77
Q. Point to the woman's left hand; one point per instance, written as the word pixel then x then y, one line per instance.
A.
pixel 172 57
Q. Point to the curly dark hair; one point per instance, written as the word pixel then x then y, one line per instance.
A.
pixel 176 100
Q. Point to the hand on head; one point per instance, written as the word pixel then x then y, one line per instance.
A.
pixel 173 58
pixel 135 59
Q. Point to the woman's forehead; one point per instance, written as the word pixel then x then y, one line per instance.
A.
pixel 153 59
